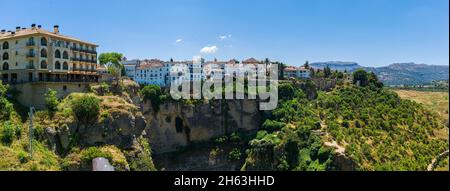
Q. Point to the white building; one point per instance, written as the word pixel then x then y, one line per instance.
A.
pixel 130 67
pixel 296 72
pixel 153 72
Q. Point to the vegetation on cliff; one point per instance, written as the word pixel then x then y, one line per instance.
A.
pixel 368 124
pixel 73 131
pixel 14 142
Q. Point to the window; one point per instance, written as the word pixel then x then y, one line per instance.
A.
pixel 65 66
pixel 43 64
pixel 5 56
pixel 5 45
pixel 57 54
pixel 44 53
pixel 57 65
pixel 5 66
pixel 43 41
pixel 65 55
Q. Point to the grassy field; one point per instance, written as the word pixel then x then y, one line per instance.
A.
pixel 435 101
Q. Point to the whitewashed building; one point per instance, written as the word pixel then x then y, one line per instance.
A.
pixel 296 72
pixel 154 72
pixel 130 67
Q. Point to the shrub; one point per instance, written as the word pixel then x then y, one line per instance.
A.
pixel 234 154
pixel 360 76
pixel 8 132
pixel 154 94
pixel 271 126
pixel 86 108
pixel 51 100
pixel 6 108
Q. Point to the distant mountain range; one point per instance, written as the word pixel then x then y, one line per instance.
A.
pixel 394 74
pixel 337 65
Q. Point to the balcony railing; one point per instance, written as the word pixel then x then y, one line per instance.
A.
pixel 31 43
pixel 30 66
pixel 83 50
pixel 30 55
pixel 83 60
pixel 83 70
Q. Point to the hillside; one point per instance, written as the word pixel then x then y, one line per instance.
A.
pixel 394 74
pixel 410 73
pixel 337 65
pixel 349 128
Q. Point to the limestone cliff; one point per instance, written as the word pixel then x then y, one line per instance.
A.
pixel 177 124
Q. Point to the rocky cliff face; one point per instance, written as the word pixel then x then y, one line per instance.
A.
pixel 119 126
pixel 177 124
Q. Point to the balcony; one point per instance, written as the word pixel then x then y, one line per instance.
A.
pixel 74 48
pixel 83 50
pixel 31 43
pixel 30 66
pixel 30 55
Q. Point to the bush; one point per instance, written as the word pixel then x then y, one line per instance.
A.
pixel 154 94
pixel 6 108
pixel 360 77
pixel 286 91
pixel 86 108
pixel 51 100
pixel 234 154
pixel 8 132
pixel 271 126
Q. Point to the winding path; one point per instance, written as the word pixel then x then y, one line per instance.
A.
pixel 435 161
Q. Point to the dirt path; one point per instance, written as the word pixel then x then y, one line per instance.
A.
pixel 436 160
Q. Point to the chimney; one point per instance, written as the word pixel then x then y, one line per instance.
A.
pixel 33 25
pixel 39 26
pixel 56 29
pixel 3 31
pixel 17 28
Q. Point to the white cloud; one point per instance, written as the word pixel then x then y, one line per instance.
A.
pixel 179 40
pixel 209 50
pixel 223 37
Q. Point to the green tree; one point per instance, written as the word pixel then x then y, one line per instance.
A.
pixel 110 57
pixel 306 65
pixel 6 107
pixel 286 91
pixel 360 78
pixel 327 72
pixel 86 108
pixel 51 100
pixel 154 94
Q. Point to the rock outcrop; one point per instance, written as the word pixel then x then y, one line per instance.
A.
pixel 177 124
pixel 119 124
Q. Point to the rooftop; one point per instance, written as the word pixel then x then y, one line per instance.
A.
pixel 22 32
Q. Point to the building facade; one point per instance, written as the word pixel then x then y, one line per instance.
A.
pixel 130 68
pixel 37 55
pixel 296 72
pixel 34 60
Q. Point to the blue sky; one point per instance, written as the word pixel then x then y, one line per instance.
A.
pixel 370 32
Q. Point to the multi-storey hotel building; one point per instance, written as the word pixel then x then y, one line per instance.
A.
pixel 37 55
pixel 34 60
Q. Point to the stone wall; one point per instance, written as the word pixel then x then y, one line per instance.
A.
pixel 33 94
pixel 177 125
